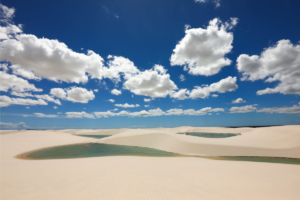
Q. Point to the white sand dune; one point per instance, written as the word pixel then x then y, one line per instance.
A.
pixel 132 177
pixel 281 141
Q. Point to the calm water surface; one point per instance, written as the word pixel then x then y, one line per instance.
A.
pixel 95 136
pixel 95 150
pixel 211 135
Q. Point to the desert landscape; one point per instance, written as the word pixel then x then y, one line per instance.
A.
pixel 190 175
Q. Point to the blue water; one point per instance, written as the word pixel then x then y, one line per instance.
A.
pixel 95 150
pixel 95 136
pixel 262 159
pixel 211 135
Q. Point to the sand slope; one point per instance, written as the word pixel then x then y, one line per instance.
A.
pixel 128 177
pixel 281 141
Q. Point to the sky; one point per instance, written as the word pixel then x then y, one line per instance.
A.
pixel 146 64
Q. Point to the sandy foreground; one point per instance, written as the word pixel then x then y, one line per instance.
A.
pixel 132 177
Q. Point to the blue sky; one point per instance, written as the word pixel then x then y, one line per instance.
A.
pixel 172 63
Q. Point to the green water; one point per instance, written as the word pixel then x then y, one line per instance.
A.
pixel 211 135
pixel 95 150
pixel 95 136
pixel 262 159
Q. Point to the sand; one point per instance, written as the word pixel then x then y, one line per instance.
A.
pixel 132 177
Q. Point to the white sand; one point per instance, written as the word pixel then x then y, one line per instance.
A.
pixel 129 177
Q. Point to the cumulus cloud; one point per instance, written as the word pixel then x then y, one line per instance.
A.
pixel 216 2
pixel 147 100
pixel 278 63
pixel 8 125
pixel 214 95
pixel 146 106
pixel 202 51
pixel 24 72
pixel 96 90
pixel 225 85
pixel 154 83
pixel 4 67
pixel 7 101
pixel 42 96
pixel 59 93
pixel 238 100
pixel 55 107
pixel 202 111
pixel 182 77
pixel 119 65
pixel 8 29
pixel 44 115
pixel 243 109
pixel 15 83
pixel 287 110
pixel 74 94
pixel 104 114
pixel 59 62
pixel 126 105
pixel 159 112
pixel 79 115
pixel 116 92
pixel 111 100
pixel 181 94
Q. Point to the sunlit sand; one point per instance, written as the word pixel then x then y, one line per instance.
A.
pixel 191 176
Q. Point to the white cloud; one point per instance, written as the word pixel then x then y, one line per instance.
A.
pixel 7 101
pixel 6 14
pixel 7 29
pixel 276 63
pixel 42 96
pixel 238 100
pixel 216 2
pixel 225 85
pixel 214 95
pixel 119 65
pixel 115 109
pixel 159 112
pixel 55 107
pixel 74 94
pixel 243 109
pixel 202 51
pixel 28 107
pixel 96 90
pixel 24 72
pixel 111 100
pixel 147 100
pixel 116 92
pixel 5 125
pixel 181 94
pixel 47 98
pixel 287 110
pixel 59 93
pixel 182 77
pixel 78 94
pixel 126 105
pixel 104 114
pixel 4 67
pixel 44 115
pixel 202 111
pixel 79 115
pixel 15 83
pixel 59 63
pixel 146 106
pixel 154 83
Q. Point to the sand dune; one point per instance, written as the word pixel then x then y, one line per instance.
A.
pixel 268 141
pixel 129 177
